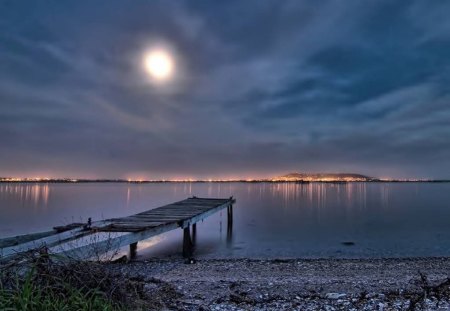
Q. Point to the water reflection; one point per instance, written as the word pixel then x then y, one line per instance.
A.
pixel 128 197
pixel 30 194
pixel 270 219
pixel 318 195
pixel 385 196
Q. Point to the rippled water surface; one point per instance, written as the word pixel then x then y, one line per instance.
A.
pixel 270 220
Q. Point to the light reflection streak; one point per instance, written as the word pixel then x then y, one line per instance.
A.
pixel 210 189
pixel 385 196
pixel 187 188
pixel 36 194
pixel 319 195
pixel 128 197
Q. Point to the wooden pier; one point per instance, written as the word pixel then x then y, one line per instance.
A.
pixel 119 232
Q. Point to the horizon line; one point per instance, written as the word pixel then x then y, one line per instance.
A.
pixel 201 180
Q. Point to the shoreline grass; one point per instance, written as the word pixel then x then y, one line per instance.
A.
pixel 29 295
pixel 40 283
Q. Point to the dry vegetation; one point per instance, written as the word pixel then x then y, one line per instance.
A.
pixel 36 281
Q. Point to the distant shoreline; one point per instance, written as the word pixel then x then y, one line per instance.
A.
pixel 71 181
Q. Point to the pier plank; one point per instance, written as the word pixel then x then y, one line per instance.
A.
pixel 16 240
pixel 48 241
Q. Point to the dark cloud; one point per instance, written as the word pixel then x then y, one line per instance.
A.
pixel 262 87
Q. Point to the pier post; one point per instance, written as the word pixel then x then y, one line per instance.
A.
pixel 230 215
pixel 194 234
pixel 187 243
pixel 229 224
pixel 133 250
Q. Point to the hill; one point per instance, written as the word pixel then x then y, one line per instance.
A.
pixel 323 177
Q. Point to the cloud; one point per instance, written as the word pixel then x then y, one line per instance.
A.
pixel 261 87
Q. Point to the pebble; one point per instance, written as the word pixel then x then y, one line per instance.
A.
pixel 334 295
pixel 330 285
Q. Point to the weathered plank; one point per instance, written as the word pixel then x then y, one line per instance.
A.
pixel 48 241
pixel 199 217
pixel 19 239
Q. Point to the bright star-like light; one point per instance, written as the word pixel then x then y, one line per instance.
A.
pixel 159 64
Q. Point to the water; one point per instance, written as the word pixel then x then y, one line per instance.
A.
pixel 270 220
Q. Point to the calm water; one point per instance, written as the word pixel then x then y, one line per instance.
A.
pixel 271 220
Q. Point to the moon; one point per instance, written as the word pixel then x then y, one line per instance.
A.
pixel 159 64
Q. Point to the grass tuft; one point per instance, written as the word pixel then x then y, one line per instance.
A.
pixel 38 283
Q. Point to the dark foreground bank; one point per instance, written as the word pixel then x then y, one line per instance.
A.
pixel 323 284
pixel 42 283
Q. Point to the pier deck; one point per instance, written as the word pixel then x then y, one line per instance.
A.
pixel 120 231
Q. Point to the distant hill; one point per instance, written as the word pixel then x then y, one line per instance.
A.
pixel 323 177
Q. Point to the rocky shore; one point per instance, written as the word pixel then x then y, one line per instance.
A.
pixel 320 284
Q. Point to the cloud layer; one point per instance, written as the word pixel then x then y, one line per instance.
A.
pixel 261 88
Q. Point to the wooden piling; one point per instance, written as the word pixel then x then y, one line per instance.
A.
pixel 187 243
pixel 133 250
pixel 230 215
pixel 229 224
pixel 194 234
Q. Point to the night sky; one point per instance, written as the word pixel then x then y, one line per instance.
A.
pixel 259 88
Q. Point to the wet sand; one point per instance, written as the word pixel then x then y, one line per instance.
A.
pixel 321 284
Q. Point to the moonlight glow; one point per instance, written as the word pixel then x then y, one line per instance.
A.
pixel 159 64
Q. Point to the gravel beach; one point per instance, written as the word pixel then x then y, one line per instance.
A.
pixel 316 284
